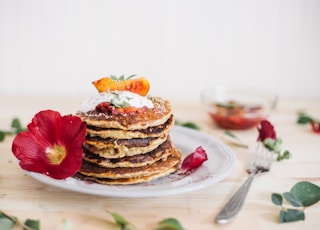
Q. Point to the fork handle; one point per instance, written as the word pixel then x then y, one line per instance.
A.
pixel 234 205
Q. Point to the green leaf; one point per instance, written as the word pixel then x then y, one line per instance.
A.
pixel 2 136
pixel 308 193
pixel 169 224
pixel 292 199
pixel 231 134
pixel 33 224
pixel 122 222
pixel 304 119
pixel 291 215
pixel 191 125
pixel 16 124
pixel 6 223
pixel 281 216
pixel 276 199
pixel 119 219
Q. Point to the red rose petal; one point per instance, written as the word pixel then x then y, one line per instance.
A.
pixel 193 160
pixel 47 129
pixel 266 130
pixel 315 126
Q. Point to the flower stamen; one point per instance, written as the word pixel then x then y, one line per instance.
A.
pixel 56 154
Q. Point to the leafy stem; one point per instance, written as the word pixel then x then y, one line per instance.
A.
pixel 304 118
pixel 187 124
pixel 11 221
pixel 231 138
pixel 303 194
pixel 16 128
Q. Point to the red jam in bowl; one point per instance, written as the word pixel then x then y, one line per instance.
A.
pixel 233 115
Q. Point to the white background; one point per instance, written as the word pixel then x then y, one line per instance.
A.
pixel 59 47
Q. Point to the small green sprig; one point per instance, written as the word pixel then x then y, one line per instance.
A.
pixel 122 77
pixel 121 222
pixel 187 124
pixel 8 222
pixel 232 139
pixel 275 146
pixel 304 118
pixel 16 128
pixel 165 224
pixel 169 224
pixel 303 194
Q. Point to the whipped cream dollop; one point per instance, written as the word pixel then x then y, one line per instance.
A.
pixel 118 98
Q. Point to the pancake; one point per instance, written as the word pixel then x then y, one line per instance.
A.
pixel 154 131
pixel 118 148
pixel 93 170
pixel 160 153
pixel 155 116
pixel 127 181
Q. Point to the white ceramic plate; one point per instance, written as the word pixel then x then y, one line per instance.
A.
pixel 219 165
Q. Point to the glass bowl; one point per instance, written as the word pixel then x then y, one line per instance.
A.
pixel 234 108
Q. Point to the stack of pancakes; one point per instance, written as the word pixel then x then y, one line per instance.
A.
pixel 129 148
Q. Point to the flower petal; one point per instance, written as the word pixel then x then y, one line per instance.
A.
pixel 29 152
pixel 193 160
pixel 266 130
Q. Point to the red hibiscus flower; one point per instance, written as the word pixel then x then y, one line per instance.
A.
pixel 52 145
pixel 266 130
pixel 193 160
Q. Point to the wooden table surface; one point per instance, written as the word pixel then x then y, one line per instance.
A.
pixel 25 197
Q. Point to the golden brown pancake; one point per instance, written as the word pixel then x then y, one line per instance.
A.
pixel 93 170
pixel 155 116
pixel 118 148
pixel 154 131
pixel 160 153
pixel 127 181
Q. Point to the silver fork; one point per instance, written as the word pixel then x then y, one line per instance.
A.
pixel 260 162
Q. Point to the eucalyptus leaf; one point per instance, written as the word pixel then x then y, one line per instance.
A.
pixel 291 215
pixel 32 224
pixel 276 199
pixel 308 193
pixel 281 216
pixel 292 199
pixel 169 224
